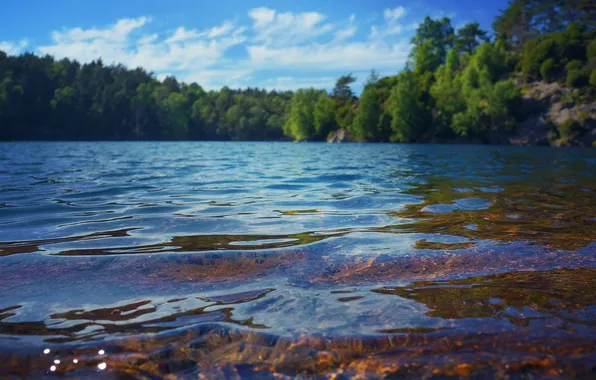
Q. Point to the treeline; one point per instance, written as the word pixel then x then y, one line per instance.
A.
pixel 41 98
pixel 457 84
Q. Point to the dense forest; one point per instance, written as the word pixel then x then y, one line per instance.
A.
pixel 457 84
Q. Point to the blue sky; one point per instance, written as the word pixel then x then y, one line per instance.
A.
pixel 278 44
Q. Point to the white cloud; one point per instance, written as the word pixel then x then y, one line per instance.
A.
pixel 222 30
pixel 148 39
pixel 181 34
pixel 13 49
pixel 349 31
pixel 282 50
pixel 213 79
pixel 117 33
pixel 183 50
pixel 392 27
pixel 271 27
pixel 350 56
pixel 294 83
pixel 394 14
pixel 344 34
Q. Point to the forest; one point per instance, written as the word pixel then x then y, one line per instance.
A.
pixel 457 84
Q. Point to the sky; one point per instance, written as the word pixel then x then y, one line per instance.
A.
pixel 282 44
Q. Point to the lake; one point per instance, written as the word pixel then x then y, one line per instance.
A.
pixel 274 260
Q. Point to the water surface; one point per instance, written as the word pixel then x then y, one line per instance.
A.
pixel 277 260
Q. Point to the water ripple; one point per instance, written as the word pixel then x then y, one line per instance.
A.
pixel 283 260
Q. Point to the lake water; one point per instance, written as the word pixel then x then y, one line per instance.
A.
pixel 276 260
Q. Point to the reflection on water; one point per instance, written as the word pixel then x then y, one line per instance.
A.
pixel 271 260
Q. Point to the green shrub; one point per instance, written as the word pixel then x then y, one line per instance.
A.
pixel 583 115
pixel 577 78
pixel 536 53
pixel 593 79
pixel 547 69
pixel 574 65
pixel 568 127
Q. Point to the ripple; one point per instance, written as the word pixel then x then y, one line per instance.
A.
pixel 296 260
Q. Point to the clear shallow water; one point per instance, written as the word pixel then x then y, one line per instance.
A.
pixel 282 260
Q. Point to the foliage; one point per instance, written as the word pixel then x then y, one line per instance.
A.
pixel 577 78
pixel 567 128
pixel 410 116
pixel 547 70
pixel 574 65
pixel 456 83
pixel 301 123
pixel 469 37
pixel 324 118
pixel 366 122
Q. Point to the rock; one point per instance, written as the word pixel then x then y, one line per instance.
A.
pixel 545 109
pixel 338 136
pixel 533 131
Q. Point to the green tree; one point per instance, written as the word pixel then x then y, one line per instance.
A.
pixel 438 35
pixel 174 116
pixel 342 89
pixel 469 37
pixel 410 117
pixel 366 122
pixel 300 123
pixel 323 116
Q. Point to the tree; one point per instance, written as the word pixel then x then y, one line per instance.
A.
pixel 173 113
pixel 469 37
pixel 410 117
pixel 300 123
pixel 373 78
pixel 323 116
pixel 515 23
pixel 447 93
pixel 437 37
pixel 342 88
pixel 366 122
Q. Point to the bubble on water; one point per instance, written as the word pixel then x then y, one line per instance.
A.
pixel 75 361
pixel 46 351
pixel 53 368
pixel 101 352
pixel 102 366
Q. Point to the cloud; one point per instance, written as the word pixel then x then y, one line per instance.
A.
pixel 222 30
pixel 392 26
pixel 273 28
pixel 274 50
pixel 394 14
pixel 13 49
pixel 183 50
pixel 335 54
pixel 351 56
pixel 293 83
pixel 182 34
pixel 117 33
pixel 349 31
